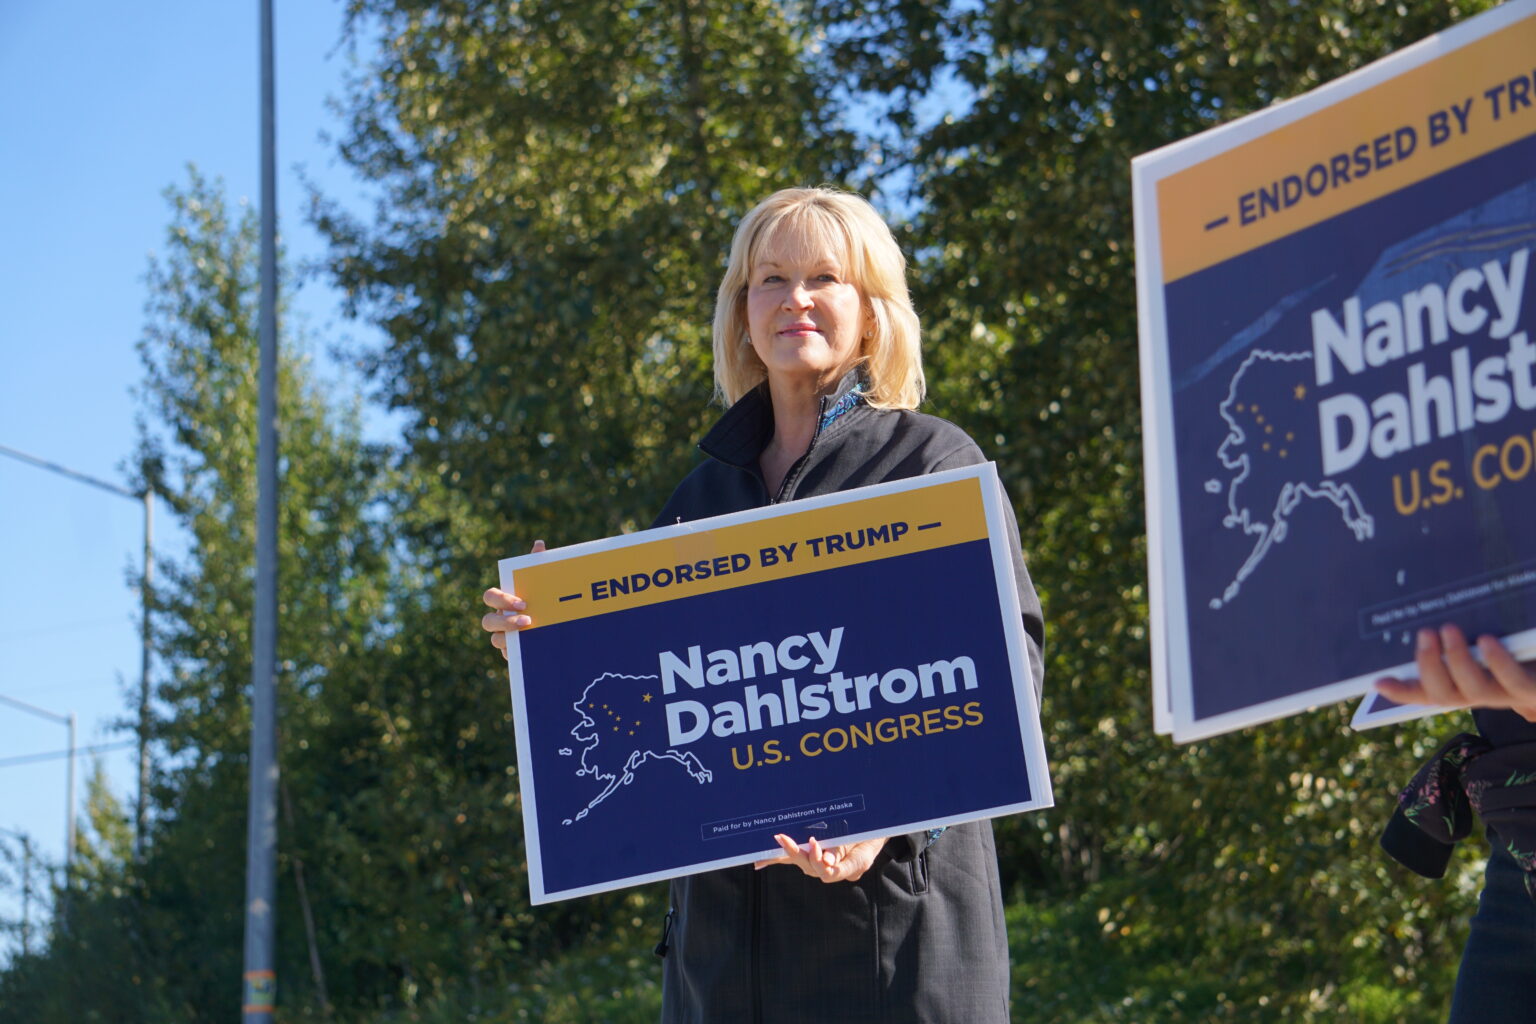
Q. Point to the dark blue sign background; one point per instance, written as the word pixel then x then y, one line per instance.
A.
pixel 898 612
pixel 1295 621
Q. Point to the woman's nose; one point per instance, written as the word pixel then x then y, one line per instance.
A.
pixel 798 297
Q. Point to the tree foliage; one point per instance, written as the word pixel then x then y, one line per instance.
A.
pixel 171 925
pixel 561 178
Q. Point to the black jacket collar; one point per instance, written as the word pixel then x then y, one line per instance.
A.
pixel 740 436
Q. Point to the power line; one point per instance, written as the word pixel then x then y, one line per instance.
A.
pixel 67 684
pixel 147 496
pixel 30 631
pixel 54 755
pixel 73 474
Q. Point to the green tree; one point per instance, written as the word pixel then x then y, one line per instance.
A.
pixel 107 841
pixel 560 179
pixel 61 975
pixel 200 357
pixel 161 939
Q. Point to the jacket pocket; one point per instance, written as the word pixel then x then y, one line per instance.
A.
pixel 919 868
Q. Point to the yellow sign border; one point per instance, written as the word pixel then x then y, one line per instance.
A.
pixel 565 585
pixel 1199 209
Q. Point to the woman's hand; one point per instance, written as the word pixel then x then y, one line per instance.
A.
pixel 834 864
pixel 507 613
pixel 1450 676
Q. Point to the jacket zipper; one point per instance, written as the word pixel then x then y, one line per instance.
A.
pixel 791 477
pixel 754 911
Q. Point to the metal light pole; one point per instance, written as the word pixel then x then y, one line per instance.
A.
pixel 259 983
pixel 141 809
pixel 69 799
pixel 147 497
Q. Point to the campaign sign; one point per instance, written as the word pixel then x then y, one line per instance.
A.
pixel 1337 303
pixel 843 667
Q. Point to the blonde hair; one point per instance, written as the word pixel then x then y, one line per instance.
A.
pixel 845 225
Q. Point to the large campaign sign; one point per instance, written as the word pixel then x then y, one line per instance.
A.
pixel 843 667
pixel 1336 301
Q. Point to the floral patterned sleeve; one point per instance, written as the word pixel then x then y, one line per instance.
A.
pixel 1467 776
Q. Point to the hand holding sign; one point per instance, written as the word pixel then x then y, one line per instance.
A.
pixel 1450 675
pixel 834 864
pixel 507 614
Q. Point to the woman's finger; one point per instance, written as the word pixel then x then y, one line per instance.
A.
pixel 853 861
pixel 800 856
pixel 794 851
pixel 500 622
pixel 1512 677
pixel 1472 681
pixel 1434 678
pixel 503 601
pixel 846 870
pixel 1401 691
pixel 769 862
pixel 1517 682
pixel 789 856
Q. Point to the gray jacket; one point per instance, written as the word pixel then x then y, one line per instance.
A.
pixel 920 936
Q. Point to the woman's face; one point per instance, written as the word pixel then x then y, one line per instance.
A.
pixel 805 319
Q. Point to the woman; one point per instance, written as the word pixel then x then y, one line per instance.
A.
pixel 816 356
pixel 1498 966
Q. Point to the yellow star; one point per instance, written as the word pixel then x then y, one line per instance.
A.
pixel 637 721
pixel 1282 453
pixel 1300 392
pixel 631 732
pixel 591 705
pixel 646 698
pixel 1266 446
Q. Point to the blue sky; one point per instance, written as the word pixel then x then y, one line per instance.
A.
pixel 107 103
